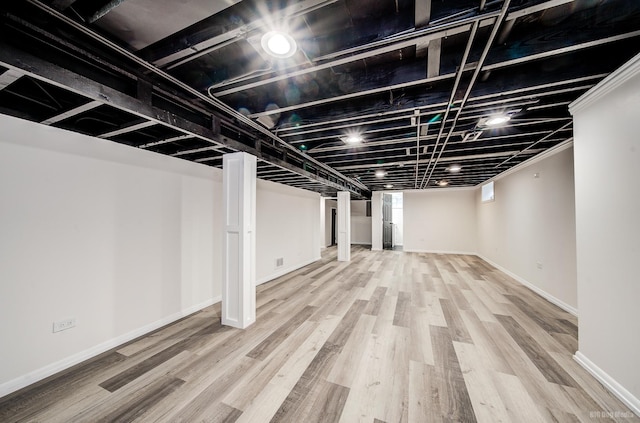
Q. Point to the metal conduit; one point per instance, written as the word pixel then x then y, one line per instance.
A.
pixel 211 100
pixel 465 56
pixel 494 32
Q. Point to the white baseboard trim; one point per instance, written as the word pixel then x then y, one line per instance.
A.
pixel 53 368
pixel 544 294
pixel 462 253
pixel 282 272
pixel 611 384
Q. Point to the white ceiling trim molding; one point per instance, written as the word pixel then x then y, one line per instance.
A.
pixel 545 154
pixel 607 85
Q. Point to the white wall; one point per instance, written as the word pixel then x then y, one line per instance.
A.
pixel 286 227
pixel 607 169
pixel 531 223
pixel 440 220
pixel 360 223
pixel 121 239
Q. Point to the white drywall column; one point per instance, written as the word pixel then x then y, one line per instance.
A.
pixel 323 222
pixel 239 258
pixel 344 226
pixel 376 221
pixel 607 230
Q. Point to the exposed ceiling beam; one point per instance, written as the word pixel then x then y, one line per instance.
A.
pixel 165 141
pixel 26 64
pixel 222 107
pixel 575 46
pixel 69 113
pixel 485 52
pixel 562 128
pixel 62 4
pixel 424 35
pixel 9 77
pixel 433 58
pixel 104 10
pixel 422 16
pixel 217 40
pixel 553 52
pixel 127 129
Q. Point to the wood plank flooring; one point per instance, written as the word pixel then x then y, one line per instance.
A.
pixel 388 337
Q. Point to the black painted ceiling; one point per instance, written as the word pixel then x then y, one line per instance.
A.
pixel 416 78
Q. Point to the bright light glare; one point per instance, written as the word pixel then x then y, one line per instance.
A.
pixel 497 120
pixel 278 44
pixel 380 173
pixel 352 139
pixel 388 186
pixel 454 168
pixel 443 183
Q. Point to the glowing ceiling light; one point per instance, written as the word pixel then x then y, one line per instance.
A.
pixel 442 183
pixel 497 120
pixel 454 168
pixel 278 44
pixel 388 186
pixel 380 173
pixel 352 139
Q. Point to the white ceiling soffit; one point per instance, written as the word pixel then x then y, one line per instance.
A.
pixel 136 21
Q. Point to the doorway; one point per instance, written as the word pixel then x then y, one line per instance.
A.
pixel 333 227
pixel 392 217
pixel 387 225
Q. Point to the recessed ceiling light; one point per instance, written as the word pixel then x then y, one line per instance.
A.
pixel 278 44
pixel 352 139
pixel 497 120
pixel 380 173
pixel 388 186
pixel 454 168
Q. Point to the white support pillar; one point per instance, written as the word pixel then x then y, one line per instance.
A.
pixel 239 258
pixel 344 226
pixel 376 221
pixel 323 223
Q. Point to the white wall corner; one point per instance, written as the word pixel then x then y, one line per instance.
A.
pixel 610 383
pixel 544 294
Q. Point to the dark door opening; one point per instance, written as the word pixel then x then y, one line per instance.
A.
pixel 333 227
pixel 387 222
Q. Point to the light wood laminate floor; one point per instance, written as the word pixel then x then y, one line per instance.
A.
pixel 388 337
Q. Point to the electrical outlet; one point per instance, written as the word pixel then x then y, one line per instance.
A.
pixel 64 324
pixel 279 262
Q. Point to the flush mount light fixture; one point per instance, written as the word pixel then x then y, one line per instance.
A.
pixel 388 186
pixel 442 183
pixel 497 120
pixel 352 139
pixel 278 44
pixel 380 173
pixel 454 168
